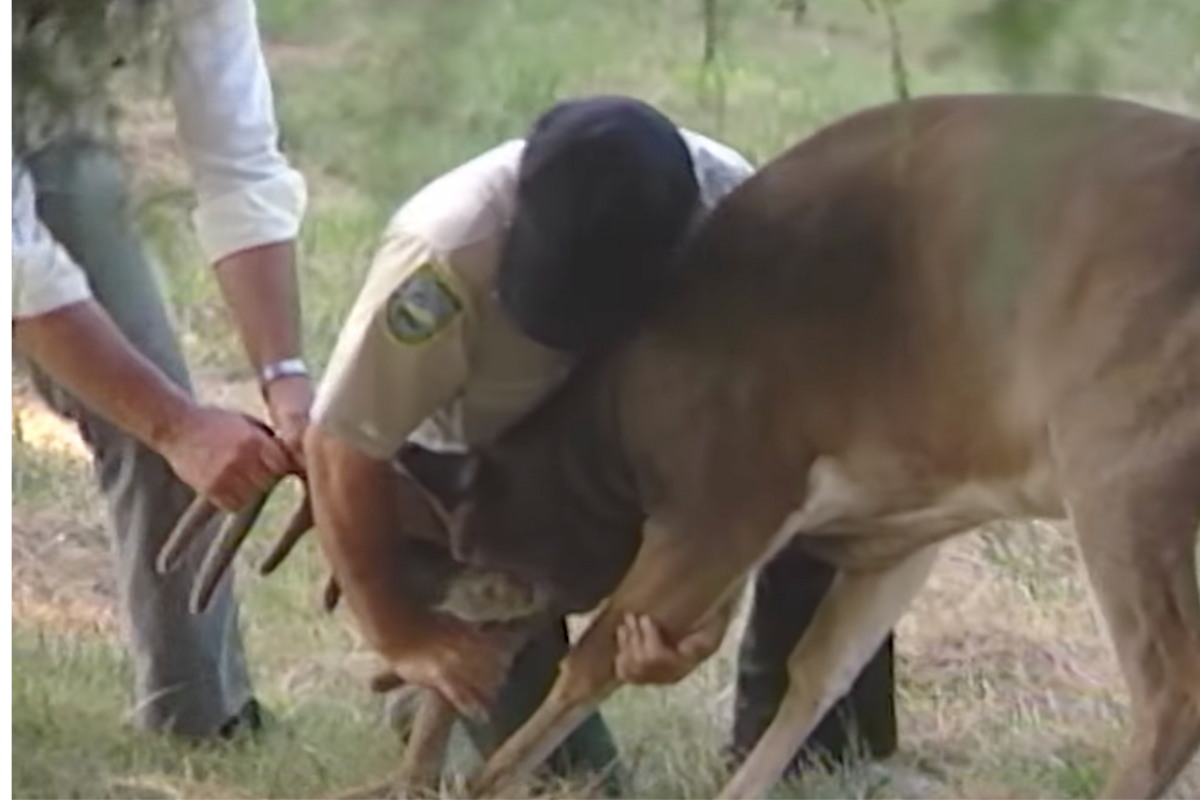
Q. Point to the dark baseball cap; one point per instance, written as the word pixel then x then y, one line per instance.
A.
pixel 605 192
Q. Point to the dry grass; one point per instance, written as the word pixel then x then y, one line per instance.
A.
pixel 1008 687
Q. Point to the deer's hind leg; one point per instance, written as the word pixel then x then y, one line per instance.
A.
pixel 851 623
pixel 1136 519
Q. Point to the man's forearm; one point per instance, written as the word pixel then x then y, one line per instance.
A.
pixel 360 527
pixel 81 348
pixel 261 288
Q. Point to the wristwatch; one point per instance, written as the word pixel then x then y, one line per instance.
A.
pixel 285 368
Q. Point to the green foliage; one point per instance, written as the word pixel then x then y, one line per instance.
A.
pixel 1017 34
pixel 64 52
pixel 376 98
pixel 895 47
pixel 68 701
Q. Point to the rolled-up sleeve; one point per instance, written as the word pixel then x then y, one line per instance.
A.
pixel 44 276
pixel 248 193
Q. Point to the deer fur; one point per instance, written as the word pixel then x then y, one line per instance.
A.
pixel 925 317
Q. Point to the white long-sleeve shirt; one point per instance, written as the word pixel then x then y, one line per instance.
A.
pixel 248 195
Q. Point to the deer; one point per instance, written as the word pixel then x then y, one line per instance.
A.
pixel 926 316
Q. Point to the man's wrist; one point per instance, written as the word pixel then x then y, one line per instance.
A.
pixel 280 369
pixel 173 418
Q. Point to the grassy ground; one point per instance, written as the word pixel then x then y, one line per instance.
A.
pixel 1007 686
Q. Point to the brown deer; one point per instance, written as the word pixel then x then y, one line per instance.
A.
pixel 927 316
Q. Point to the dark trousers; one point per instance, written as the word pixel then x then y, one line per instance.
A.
pixel 786 595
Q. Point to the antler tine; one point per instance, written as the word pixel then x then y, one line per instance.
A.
pixel 195 518
pixel 221 554
pixel 300 524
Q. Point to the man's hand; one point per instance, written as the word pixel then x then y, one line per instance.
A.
pixel 289 401
pixel 645 657
pixel 224 456
pixel 460 662
pixel 360 508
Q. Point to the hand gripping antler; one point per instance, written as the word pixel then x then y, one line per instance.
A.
pixel 236 529
pixel 200 513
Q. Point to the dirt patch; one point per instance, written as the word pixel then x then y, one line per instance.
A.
pixel 62 574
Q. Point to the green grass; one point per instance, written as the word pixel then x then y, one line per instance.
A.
pixel 1007 685
pixel 67 713
pixel 377 98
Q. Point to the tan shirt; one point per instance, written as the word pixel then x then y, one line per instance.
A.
pixel 427 354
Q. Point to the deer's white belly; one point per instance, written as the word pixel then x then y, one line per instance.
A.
pixel 839 503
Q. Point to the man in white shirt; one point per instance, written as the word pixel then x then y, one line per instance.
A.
pixel 88 314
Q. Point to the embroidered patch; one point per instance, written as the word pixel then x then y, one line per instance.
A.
pixel 421 306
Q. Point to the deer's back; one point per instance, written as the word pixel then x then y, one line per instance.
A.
pixel 925 288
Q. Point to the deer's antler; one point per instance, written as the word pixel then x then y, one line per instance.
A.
pixel 228 542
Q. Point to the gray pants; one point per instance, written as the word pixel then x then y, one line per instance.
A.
pixel 189 671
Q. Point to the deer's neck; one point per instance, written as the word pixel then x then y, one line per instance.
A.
pixel 594 474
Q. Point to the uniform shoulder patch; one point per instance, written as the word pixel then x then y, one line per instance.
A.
pixel 421 306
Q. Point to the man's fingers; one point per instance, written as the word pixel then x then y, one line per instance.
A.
pixel 642 655
pixel 242 473
pixel 289 434
pixel 276 458
pixel 232 493
pixel 464 694
pixel 465 703
pixel 694 649
pixel 693 646
pixel 463 665
pixel 624 640
pixel 260 477
pixel 622 662
pixel 651 638
pixel 261 456
pixel 638 649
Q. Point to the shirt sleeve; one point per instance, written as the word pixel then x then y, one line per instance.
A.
pixel 225 119
pixel 402 353
pixel 719 168
pixel 44 276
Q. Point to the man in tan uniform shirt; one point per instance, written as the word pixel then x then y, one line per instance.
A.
pixel 487 285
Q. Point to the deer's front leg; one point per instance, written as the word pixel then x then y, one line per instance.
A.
pixel 679 579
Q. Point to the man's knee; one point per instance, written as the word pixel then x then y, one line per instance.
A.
pixel 76 169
